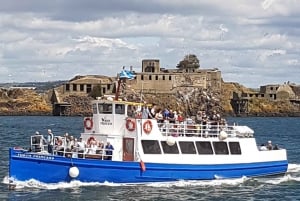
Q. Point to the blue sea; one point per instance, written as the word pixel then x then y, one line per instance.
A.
pixel 16 131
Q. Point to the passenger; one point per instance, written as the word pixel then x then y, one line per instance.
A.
pixel 263 147
pixel 152 112
pixel 109 151
pixel 175 116
pixel 145 112
pixel 50 141
pixel 198 119
pixel 214 121
pixel 80 147
pixel 180 120
pixel 59 146
pixel 93 147
pixel 100 149
pixel 159 117
pixel 180 117
pixel 166 113
pixel 269 145
pixel 204 123
pixel 171 117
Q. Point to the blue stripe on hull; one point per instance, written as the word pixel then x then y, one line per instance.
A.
pixel 56 169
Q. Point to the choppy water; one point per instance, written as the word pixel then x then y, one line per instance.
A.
pixel 15 131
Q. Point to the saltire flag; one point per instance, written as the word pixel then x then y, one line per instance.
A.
pixel 126 74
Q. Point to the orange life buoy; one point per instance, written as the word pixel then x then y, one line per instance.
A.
pixel 88 123
pixel 147 127
pixel 130 125
pixel 90 139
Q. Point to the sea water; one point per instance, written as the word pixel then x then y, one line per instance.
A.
pixel 16 131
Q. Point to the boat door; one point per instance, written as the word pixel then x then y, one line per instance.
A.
pixel 128 149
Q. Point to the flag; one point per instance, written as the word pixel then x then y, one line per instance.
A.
pixel 126 74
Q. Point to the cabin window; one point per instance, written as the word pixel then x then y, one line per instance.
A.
pixel 235 148
pixel 151 147
pixel 187 147
pixel 131 110
pixel 169 149
pixel 204 148
pixel 105 108
pixel 220 147
pixel 120 109
pixel 94 106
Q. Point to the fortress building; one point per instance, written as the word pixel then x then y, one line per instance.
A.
pixel 154 79
pixel 151 80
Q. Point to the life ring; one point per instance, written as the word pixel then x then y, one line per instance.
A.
pixel 130 125
pixel 88 123
pixel 147 127
pixel 90 139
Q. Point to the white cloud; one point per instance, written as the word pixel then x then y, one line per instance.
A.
pixel 59 39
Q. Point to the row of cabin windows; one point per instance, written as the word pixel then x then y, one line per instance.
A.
pixel 80 87
pixel 106 108
pixel 187 147
pixel 156 77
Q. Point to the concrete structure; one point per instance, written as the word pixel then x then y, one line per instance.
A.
pixel 154 79
pixel 272 92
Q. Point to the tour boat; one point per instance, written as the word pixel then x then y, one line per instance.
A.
pixel 145 150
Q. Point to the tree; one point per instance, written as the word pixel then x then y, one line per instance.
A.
pixel 189 61
pixel 96 91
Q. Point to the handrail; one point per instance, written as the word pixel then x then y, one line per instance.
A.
pixel 201 130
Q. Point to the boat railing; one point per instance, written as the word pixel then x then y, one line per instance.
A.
pixel 75 152
pixel 61 147
pixel 38 143
pixel 185 129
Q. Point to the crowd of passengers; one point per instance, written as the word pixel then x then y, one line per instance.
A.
pixel 69 146
pixel 171 116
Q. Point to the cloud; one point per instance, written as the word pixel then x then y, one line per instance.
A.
pixel 51 40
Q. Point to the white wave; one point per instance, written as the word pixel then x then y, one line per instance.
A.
pixel 293 168
pixel 185 183
pixel 32 183
pixel 279 180
pixel 181 183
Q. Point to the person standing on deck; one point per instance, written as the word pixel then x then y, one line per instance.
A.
pixel 50 139
pixel 109 151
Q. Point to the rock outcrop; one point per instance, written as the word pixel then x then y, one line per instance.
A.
pixel 188 100
pixel 23 102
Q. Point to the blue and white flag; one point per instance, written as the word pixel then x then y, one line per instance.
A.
pixel 126 74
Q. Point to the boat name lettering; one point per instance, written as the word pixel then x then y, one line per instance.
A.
pixel 106 122
pixel 43 157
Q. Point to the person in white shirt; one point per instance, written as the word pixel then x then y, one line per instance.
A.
pixel 50 140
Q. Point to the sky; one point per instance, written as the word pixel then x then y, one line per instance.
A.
pixel 253 42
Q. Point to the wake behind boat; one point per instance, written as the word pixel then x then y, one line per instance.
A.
pixel 121 145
